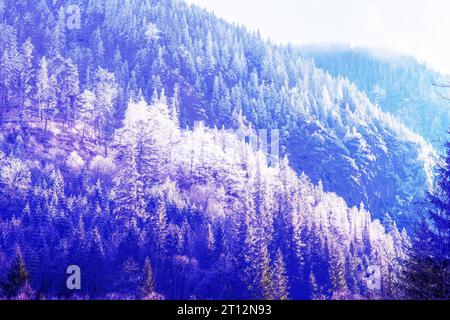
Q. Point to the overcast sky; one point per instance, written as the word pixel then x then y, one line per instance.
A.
pixel 417 27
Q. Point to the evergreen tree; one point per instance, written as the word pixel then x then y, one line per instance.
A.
pixel 160 228
pixel 42 86
pixel 69 87
pixel 215 231
pixel 337 272
pixel 175 106
pixel 17 279
pixel 147 283
pixel 98 46
pixel 106 94
pixel 280 278
pixel 15 180
pixel 258 268
pixel 427 273
pixel 58 41
pixel 2 9
pixel 209 54
pixel 210 239
pixel 49 109
pixel 263 267
pixel 96 262
pixel 9 72
pixel 128 193
pixel 86 105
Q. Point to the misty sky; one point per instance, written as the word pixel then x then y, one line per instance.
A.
pixel 417 27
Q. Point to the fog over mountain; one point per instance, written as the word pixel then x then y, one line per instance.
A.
pixel 132 137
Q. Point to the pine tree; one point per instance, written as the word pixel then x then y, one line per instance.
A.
pixel 42 86
pixel 209 56
pixel 57 184
pixel 49 109
pixel 215 99
pixel 69 87
pixel 175 105
pixel 15 180
pixel 158 66
pixel 96 263
pixel 210 239
pixel 128 193
pixel 147 283
pixel 17 279
pixel 280 276
pixel 86 105
pixel 2 9
pixel 314 288
pixel 26 81
pixel 149 133
pixel 58 38
pixel 10 65
pixel 132 87
pixel 106 93
pixel 251 244
pixel 155 96
pixel 224 109
pixel 258 269
pixel 160 227
pixel 267 285
pixel 337 272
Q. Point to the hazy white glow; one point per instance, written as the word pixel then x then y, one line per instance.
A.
pixel 417 27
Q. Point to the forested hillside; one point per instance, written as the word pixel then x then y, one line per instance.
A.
pixel 184 214
pixel 401 85
pixel 215 71
pixel 117 156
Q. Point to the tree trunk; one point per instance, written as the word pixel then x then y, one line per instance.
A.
pixel 106 149
pixel 2 106
pixel 82 134
pixel 72 106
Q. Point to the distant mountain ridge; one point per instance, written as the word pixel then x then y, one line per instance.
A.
pixel 217 71
pixel 201 208
pixel 116 157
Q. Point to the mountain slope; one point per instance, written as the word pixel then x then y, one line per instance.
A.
pixel 196 214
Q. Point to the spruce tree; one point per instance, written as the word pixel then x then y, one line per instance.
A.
pixel 10 65
pixel 128 193
pixel 26 81
pixel 427 272
pixel 280 278
pixel 314 288
pixel 69 84
pixel 17 279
